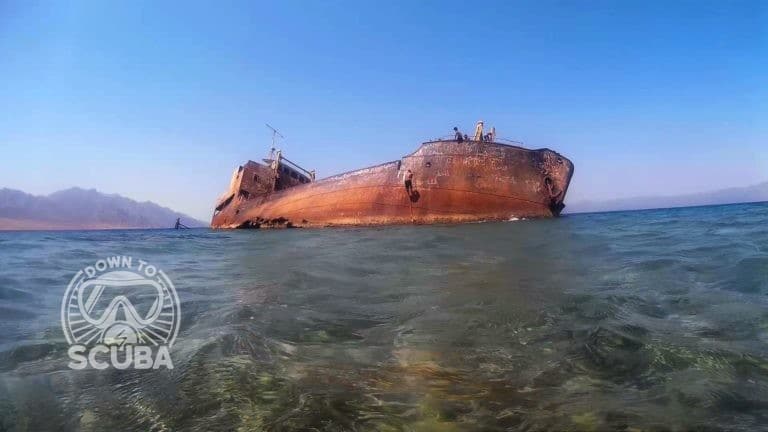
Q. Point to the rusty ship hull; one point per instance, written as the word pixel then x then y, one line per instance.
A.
pixel 453 182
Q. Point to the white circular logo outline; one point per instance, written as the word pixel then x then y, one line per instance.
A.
pixel 79 278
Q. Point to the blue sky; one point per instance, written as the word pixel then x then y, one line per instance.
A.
pixel 162 101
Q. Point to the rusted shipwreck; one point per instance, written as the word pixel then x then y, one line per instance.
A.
pixel 453 181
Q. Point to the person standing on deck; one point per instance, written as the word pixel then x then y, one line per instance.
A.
pixel 479 131
pixel 457 135
pixel 408 177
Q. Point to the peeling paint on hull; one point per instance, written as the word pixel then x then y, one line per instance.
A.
pixel 452 183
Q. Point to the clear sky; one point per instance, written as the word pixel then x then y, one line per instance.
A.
pixel 161 101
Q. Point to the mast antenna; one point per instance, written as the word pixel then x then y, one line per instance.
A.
pixel 275 133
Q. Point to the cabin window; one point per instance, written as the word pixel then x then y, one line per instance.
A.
pixel 428 164
pixel 255 178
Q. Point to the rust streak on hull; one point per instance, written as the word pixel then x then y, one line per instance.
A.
pixel 452 182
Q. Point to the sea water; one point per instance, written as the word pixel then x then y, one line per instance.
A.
pixel 645 320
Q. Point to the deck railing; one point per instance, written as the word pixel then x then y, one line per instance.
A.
pixel 472 138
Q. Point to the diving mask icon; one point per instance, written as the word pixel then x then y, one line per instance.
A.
pixel 120 297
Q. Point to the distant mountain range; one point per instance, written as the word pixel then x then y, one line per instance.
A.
pixel 78 208
pixel 754 193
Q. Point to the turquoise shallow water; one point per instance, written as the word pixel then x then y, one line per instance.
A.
pixel 651 320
